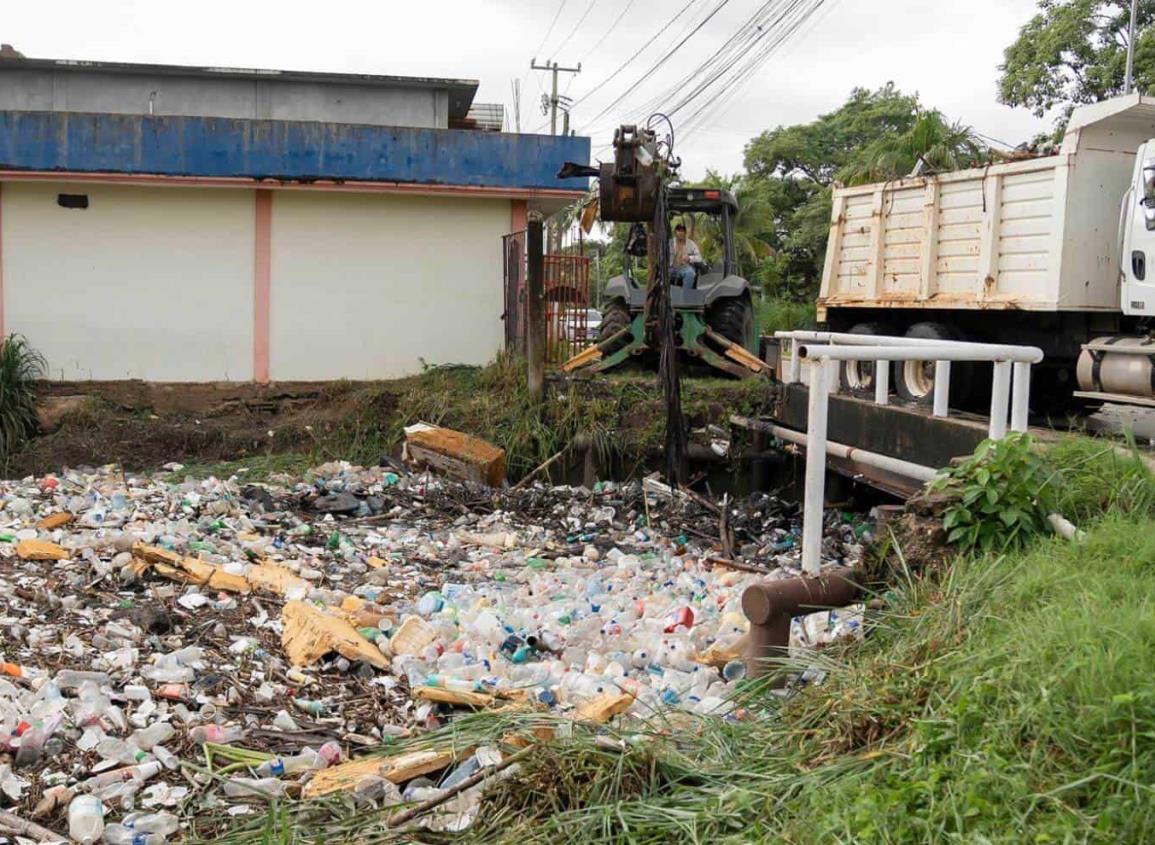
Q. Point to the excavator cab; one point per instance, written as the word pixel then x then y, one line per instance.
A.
pixel 714 319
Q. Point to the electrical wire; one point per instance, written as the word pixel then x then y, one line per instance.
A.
pixel 608 32
pixel 576 27
pixel 549 32
pixel 669 54
pixel 636 54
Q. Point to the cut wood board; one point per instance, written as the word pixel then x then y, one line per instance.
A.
pixel 54 520
pixel 448 696
pixel 40 550
pixel 456 454
pixel 310 634
pixel 603 708
pixel 405 767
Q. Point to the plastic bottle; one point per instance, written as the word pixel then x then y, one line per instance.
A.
pixel 119 834
pixel 154 734
pixel 72 679
pixel 85 819
pixel 141 773
pixel 165 757
pixel 120 751
pixel 222 734
pixel 254 788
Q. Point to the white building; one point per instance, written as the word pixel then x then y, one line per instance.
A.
pixel 189 224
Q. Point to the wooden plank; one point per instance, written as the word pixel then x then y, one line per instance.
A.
pixel 603 708
pixel 928 270
pixel 456 697
pixel 457 454
pixel 55 520
pixel 40 550
pixel 404 767
pixel 877 243
pixel 834 245
pixel 309 634
pixel 987 271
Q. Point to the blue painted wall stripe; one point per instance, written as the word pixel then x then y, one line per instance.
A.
pixel 289 150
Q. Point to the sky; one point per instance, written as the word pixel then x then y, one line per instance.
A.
pixel 946 51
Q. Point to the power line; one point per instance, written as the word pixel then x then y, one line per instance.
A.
pixel 576 27
pixel 613 26
pixel 637 53
pixel 669 54
pixel 552 24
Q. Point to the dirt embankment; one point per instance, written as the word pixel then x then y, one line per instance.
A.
pixel 143 425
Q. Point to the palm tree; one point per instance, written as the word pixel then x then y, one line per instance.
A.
pixel 938 144
pixel 752 225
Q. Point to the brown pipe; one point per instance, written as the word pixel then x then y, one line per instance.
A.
pixel 770 605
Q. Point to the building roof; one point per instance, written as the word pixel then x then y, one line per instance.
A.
pixel 461 91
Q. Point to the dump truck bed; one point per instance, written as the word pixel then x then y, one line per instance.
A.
pixel 1039 234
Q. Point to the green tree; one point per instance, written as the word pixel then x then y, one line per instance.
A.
pixel 753 230
pixel 1074 52
pixel 874 136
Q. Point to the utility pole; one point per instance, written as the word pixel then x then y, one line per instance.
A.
pixel 535 336
pixel 1129 84
pixel 553 101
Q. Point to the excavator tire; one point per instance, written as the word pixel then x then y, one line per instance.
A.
pixel 615 317
pixel 733 318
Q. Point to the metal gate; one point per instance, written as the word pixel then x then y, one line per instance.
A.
pixel 566 295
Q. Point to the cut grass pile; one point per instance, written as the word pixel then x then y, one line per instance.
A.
pixel 1000 699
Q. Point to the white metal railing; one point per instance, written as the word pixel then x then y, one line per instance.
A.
pixel 823 351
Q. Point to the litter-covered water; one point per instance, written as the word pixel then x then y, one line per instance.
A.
pixel 290 624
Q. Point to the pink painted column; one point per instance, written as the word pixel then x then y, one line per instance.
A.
pixel 262 281
pixel 518 212
pixel 2 327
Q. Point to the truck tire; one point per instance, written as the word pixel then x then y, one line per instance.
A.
pixel 615 317
pixel 914 380
pixel 733 318
pixel 857 377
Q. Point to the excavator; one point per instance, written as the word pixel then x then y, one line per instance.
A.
pixel 714 320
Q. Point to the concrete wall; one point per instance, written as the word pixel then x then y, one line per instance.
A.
pixel 166 283
pixel 43 89
pixel 285 150
pixel 152 283
pixel 368 286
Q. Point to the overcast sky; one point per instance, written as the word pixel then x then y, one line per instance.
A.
pixel 946 51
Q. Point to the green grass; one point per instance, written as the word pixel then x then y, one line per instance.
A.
pixel 1002 699
pixel 780 315
pixel 20 367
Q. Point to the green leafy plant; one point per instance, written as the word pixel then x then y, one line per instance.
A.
pixel 20 367
pixel 1002 495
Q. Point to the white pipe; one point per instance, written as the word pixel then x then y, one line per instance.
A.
pixel 928 351
pixel 832 379
pixel 842 339
pixel 942 388
pixel 1020 402
pixel 873 459
pixel 1000 399
pixel 815 493
pixel 882 382
pixel 794 372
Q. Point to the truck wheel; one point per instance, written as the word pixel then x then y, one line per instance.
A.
pixel 615 317
pixel 858 376
pixel 733 318
pixel 914 380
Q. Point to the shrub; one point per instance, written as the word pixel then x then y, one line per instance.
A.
pixel 20 366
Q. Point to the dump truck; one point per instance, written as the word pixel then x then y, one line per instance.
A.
pixel 1055 251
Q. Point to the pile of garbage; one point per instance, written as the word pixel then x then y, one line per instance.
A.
pixel 173 644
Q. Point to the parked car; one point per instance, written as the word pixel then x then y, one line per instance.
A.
pixel 580 329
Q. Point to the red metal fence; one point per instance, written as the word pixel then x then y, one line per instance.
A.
pixel 568 329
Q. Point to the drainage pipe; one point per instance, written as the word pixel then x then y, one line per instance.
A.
pixel 873 459
pixel 771 605
pixel 937 351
